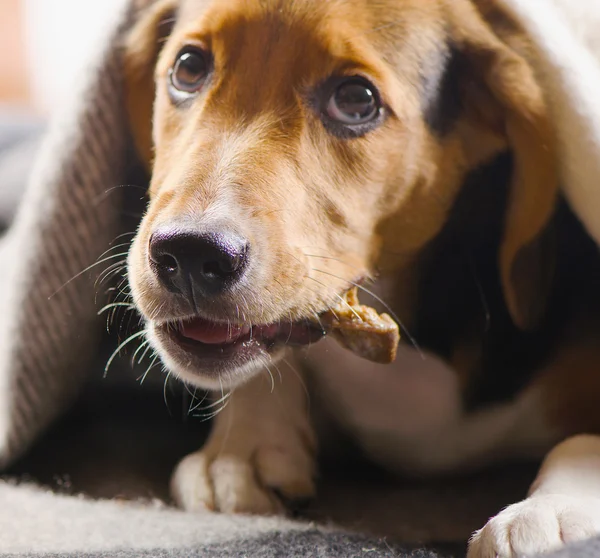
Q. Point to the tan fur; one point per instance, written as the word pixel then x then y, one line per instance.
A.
pixel 347 191
pixel 322 213
pixel 141 49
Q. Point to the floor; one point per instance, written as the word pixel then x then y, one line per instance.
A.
pixel 122 441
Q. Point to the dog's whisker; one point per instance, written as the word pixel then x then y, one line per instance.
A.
pixel 221 404
pixel 111 273
pixel 382 302
pixel 122 285
pixel 100 198
pixel 335 294
pixel 224 398
pixel 149 369
pixel 120 293
pixel 111 318
pixel 300 379
pixel 291 327
pixel 123 244
pixel 339 260
pixel 120 282
pixel 330 290
pixel 189 392
pixel 167 377
pixel 214 404
pixel 123 235
pixel 90 267
pixel 116 352
pixel 197 405
pixel 314 291
pixel 137 351
pixel 125 314
pixel 108 272
pixel 278 372
pixel 127 305
pixel 268 370
pixel 210 416
pixel 109 292
pixel 143 355
pixel 318 318
pixel 193 400
pixel 343 300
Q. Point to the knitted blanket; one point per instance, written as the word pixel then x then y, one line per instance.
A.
pixel 50 333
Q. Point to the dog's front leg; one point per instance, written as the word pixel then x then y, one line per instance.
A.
pixel 261 450
pixel 563 506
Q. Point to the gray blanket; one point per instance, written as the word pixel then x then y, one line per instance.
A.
pixel 103 466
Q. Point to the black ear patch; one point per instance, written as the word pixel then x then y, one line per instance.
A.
pixel 440 90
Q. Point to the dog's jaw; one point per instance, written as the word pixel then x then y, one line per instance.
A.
pixel 182 366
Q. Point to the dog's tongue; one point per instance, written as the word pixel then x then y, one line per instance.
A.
pixel 212 333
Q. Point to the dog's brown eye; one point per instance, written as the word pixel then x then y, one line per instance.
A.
pixel 353 102
pixel 190 71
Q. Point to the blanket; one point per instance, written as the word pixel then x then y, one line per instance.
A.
pixel 53 349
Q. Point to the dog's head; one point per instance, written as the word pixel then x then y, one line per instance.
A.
pixel 294 145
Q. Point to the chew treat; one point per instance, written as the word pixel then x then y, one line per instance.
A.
pixel 362 330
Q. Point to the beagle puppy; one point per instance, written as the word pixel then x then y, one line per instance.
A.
pixel 301 148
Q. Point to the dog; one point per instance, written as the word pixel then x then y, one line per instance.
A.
pixel 301 148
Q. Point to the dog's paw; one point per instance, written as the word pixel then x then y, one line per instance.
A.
pixel 260 481
pixel 536 525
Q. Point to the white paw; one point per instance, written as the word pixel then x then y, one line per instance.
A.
pixel 536 525
pixel 245 480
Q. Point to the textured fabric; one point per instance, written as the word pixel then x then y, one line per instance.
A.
pixel 565 33
pixel 284 546
pixel 311 544
pixel 48 525
pixel 51 524
pixel 48 322
pixel 49 330
pixel 589 549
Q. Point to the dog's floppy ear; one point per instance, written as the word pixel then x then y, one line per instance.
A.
pixel 153 23
pixel 489 42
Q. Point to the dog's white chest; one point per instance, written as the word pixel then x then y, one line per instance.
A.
pixel 408 415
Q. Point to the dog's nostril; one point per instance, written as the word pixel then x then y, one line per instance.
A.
pixel 202 264
pixel 214 269
pixel 167 262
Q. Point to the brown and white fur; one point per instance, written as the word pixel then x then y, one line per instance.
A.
pixel 451 200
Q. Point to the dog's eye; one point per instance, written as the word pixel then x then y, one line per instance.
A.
pixel 190 71
pixel 353 102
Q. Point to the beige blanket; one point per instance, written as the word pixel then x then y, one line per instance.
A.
pixel 49 328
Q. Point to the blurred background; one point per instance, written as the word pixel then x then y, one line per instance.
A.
pixel 45 47
pixel 44 44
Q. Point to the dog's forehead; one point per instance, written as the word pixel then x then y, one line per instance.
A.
pixel 338 28
pixel 272 53
pixel 223 13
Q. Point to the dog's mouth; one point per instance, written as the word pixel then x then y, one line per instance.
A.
pixel 209 342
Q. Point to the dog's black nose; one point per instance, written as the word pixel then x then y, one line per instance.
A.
pixel 198 264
